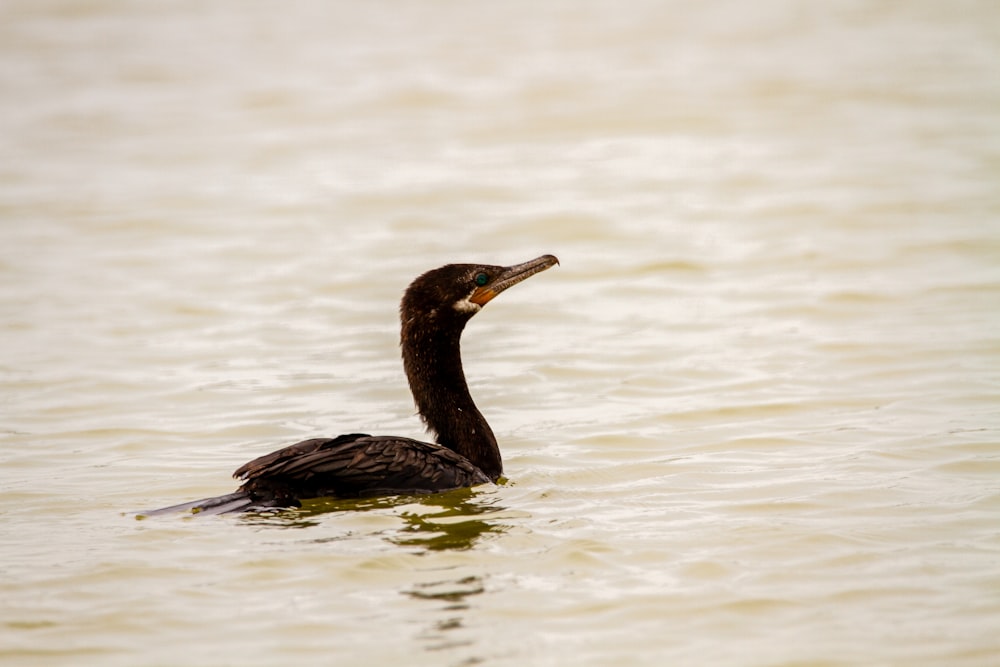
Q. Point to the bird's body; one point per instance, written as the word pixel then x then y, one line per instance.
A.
pixel 435 308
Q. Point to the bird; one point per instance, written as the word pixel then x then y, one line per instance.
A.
pixel 433 313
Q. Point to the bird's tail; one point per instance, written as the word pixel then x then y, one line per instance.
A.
pixel 231 502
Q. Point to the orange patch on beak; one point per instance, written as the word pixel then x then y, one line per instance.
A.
pixel 482 296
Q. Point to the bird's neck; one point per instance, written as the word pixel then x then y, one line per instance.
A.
pixel 433 363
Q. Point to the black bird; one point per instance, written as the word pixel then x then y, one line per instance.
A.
pixel 433 313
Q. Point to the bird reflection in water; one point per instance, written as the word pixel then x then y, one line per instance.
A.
pixel 452 521
pixel 455 520
pixel 453 595
pixel 464 519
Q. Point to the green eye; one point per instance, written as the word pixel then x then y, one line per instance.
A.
pixel 482 279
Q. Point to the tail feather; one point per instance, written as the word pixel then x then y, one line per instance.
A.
pixel 231 502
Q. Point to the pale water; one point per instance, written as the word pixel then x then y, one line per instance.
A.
pixel 753 418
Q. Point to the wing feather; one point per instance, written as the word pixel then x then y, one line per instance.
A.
pixel 357 465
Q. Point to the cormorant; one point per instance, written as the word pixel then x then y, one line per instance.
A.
pixel 434 310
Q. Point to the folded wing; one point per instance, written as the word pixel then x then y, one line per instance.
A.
pixel 354 465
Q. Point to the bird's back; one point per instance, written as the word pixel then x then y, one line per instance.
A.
pixel 355 465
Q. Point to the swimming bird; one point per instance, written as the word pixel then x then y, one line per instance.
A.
pixel 433 313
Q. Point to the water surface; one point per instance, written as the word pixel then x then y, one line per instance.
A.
pixel 752 419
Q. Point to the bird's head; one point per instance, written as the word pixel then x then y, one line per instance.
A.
pixel 461 290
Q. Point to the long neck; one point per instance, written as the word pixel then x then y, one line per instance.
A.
pixel 433 363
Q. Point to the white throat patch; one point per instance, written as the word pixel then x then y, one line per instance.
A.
pixel 466 306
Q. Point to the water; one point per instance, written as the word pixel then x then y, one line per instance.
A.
pixel 751 420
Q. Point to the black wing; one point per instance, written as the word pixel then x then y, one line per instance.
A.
pixel 355 465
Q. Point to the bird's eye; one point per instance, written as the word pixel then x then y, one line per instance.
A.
pixel 482 279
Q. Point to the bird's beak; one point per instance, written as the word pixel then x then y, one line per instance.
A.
pixel 511 276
